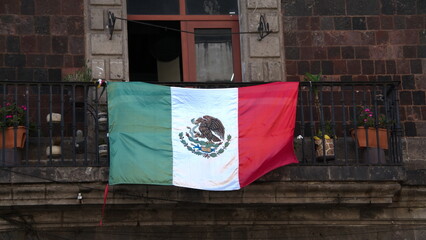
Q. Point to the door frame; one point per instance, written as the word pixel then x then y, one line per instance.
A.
pixel 188 24
pixel 188 47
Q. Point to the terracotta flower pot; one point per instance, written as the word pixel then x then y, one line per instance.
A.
pixel 21 134
pixel 360 134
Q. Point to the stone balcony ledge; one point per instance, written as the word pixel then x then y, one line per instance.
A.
pixel 287 185
pixel 289 173
pixel 288 193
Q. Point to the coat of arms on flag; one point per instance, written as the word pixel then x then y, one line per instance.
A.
pixel 206 137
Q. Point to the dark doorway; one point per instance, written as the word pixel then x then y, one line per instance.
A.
pixel 155 51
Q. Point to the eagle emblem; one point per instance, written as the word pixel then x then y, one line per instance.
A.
pixel 205 137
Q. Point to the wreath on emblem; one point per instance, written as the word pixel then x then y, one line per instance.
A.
pixel 206 137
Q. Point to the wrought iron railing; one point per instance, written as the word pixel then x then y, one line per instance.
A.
pixel 349 113
pixel 62 124
pixel 66 125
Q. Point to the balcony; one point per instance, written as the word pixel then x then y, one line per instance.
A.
pixel 70 118
pixel 66 123
pixel 62 125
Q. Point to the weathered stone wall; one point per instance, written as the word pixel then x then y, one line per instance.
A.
pixel 361 40
pixel 262 60
pixel 289 203
pixel 194 221
pixel 41 40
pixel 108 57
pixel 334 209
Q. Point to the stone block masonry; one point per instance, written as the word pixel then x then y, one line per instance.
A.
pixel 39 40
pixel 361 40
pixel 108 56
pixel 262 60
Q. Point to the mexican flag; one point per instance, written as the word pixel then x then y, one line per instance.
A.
pixel 210 139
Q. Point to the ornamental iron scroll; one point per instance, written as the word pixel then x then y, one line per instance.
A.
pixel 263 28
pixel 111 24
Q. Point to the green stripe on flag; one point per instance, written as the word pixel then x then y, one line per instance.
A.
pixel 139 117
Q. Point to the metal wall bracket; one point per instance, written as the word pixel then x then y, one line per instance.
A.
pixel 111 24
pixel 263 28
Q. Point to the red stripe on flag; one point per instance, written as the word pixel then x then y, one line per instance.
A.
pixel 267 115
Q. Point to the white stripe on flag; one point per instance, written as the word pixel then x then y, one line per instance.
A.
pixel 201 172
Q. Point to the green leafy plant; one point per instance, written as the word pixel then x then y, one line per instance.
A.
pixel 325 132
pixel 313 77
pixel 82 75
pixel 328 133
pixel 12 115
pixel 367 117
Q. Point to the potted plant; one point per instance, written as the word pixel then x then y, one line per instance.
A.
pixel 371 131
pixel 324 142
pixel 12 124
pixel 314 78
pixel 83 74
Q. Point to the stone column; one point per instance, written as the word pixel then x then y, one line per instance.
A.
pixel 262 60
pixel 107 58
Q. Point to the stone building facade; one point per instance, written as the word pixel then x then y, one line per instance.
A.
pixel 361 41
pixel 41 40
pixel 345 40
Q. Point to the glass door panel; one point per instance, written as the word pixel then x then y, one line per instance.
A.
pixel 211 7
pixel 153 7
pixel 213 55
pixel 211 50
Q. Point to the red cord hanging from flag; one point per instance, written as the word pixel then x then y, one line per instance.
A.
pixel 104 205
